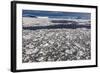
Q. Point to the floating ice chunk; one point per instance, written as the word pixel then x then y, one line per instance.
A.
pixel 30 46
pixel 32 51
pixel 40 59
pixel 51 42
pixel 68 51
pixel 45 44
pixel 80 53
pixel 29 51
pixel 26 37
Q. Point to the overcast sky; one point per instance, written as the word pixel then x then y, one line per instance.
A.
pixel 56 14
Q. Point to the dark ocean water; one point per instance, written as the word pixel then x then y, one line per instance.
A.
pixel 61 26
pixel 56 14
